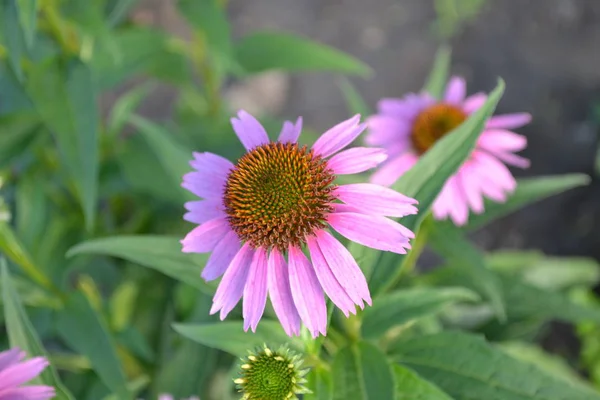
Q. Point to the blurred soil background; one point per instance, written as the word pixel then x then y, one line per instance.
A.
pixel 547 51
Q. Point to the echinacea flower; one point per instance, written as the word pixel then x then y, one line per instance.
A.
pixel 14 373
pixel 278 199
pixel 408 127
pixel 271 375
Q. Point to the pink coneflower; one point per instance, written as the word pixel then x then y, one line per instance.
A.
pixel 276 201
pixel 14 373
pixel 408 127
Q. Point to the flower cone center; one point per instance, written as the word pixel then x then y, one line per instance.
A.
pixel 277 194
pixel 433 123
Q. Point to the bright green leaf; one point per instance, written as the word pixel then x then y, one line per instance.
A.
pixel 466 367
pixel 265 51
pixel 354 101
pixel 230 337
pixel 161 253
pixel 436 81
pixel 65 96
pixel 402 306
pixel 410 386
pixel 529 190
pixel 85 332
pixel 362 372
pixel 22 334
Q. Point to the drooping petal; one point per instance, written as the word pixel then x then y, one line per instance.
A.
pixel 307 293
pixel 356 160
pixel 338 137
pixel 278 282
pixel 250 132
pixel 499 139
pixel 291 132
pixel 452 202
pixel 205 237
pixel 372 231
pixel 18 374
pixel 393 169
pixel 204 210
pixel 221 256
pixel 471 185
pixel 29 393
pixel 456 90
pixel 376 199
pixel 496 171
pixel 231 288
pixel 328 282
pixel 474 102
pixel 344 268
pixel 204 184
pixel 255 291
pixel 508 121
pixel 10 357
pixel 212 164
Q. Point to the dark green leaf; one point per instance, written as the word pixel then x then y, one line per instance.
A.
pixel 406 305
pixel 85 332
pixel 230 337
pixel 28 19
pixel 320 383
pixel 17 131
pixel 436 81
pixel 529 190
pixel 362 372
pixel 13 36
pixel 21 334
pixel 354 101
pixel 65 97
pixel 468 368
pixel 264 51
pixel 161 253
pixel 410 386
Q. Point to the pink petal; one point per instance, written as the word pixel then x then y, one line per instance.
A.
pixel 451 201
pixel 344 268
pixel 28 393
pixel 376 199
pixel 307 293
pixel 328 282
pixel 231 288
pixel 18 374
pixel 474 102
pixel 291 132
pixel 250 132
pixel 205 237
pixel 211 163
pixel 278 282
pixel 503 140
pixel 471 186
pixel 372 231
pixel 165 397
pixel 405 108
pixel 204 184
pixel 456 90
pixel 221 256
pixel 508 121
pixel 10 357
pixel 338 137
pixel 495 171
pixel 356 160
pixel 393 169
pixel 385 130
pixel 204 210
pixel 255 291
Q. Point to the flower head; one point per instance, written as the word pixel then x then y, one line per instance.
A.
pixel 14 373
pixel 258 216
pixel 410 126
pixel 271 375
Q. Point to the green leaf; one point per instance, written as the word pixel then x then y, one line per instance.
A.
pixel 230 337
pixel 449 242
pixel 124 107
pixel 120 10
pixel 173 157
pixel 410 386
pixel 427 177
pixel 65 97
pixel 28 20
pixel 354 101
pixel 320 383
pixel 13 36
pixel 22 334
pixel 406 305
pixel 161 253
pixel 362 372
pixel 436 81
pixel 466 367
pixel 529 190
pixel 278 50
pixel 85 332
pixel 17 131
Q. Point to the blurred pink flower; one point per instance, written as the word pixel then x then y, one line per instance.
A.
pixel 169 397
pixel 14 373
pixel 277 199
pixel 408 127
